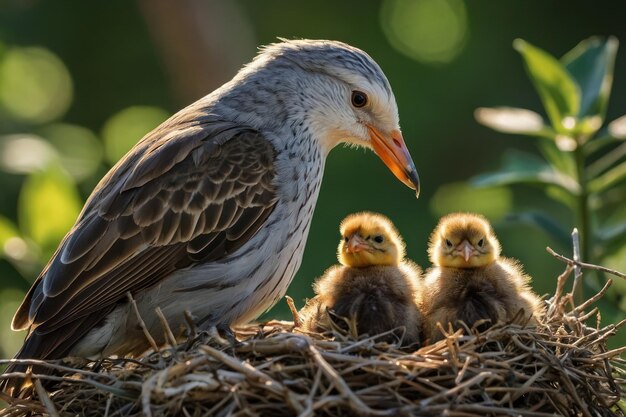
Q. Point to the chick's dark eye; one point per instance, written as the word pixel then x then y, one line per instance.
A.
pixel 359 99
pixel 448 243
pixel 346 238
pixel 481 242
pixel 378 239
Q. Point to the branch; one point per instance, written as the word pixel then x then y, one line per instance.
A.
pixel 585 265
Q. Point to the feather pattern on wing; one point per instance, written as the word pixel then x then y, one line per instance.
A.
pixel 194 195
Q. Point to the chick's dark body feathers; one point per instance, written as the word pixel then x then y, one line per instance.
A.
pixel 495 293
pixel 378 298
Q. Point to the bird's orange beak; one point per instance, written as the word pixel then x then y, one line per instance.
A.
pixel 393 152
pixel 356 244
pixel 467 250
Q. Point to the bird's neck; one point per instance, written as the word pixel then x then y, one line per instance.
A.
pixel 280 107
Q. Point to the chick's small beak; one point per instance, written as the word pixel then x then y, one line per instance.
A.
pixel 467 250
pixel 356 244
pixel 394 153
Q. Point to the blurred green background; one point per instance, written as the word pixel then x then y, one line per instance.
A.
pixel 80 82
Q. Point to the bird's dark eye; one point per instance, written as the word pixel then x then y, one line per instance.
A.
pixel 378 239
pixel 481 242
pixel 359 99
pixel 448 243
pixel 346 238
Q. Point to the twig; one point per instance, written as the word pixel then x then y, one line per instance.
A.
pixel 577 290
pixel 44 377
pixel 611 353
pixel 52 364
pixel 461 374
pixel 581 308
pixel 142 323
pixel 585 265
pixel 45 399
pixel 560 285
pixel 355 402
pixel 167 330
pixel 245 368
pixel 586 316
pixel 191 324
pixel 146 393
pixel 477 379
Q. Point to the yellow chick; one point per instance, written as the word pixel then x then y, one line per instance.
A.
pixel 469 281
pixel 374 285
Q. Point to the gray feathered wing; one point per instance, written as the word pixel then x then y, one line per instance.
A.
pixel 191 191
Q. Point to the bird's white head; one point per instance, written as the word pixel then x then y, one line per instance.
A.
pixel 341 95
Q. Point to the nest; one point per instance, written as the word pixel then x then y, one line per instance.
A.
pixel 560 367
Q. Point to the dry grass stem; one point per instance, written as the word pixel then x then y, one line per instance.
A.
pixel 142 323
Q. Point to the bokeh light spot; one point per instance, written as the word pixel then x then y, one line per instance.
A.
pixel 25 153
pixel 16 248
pixel 7 232
pixel 48 206
pixel 124 129
pixel 429 31
pixel 492 202
pixel 35 85
pixel 11 341
pixel 79 150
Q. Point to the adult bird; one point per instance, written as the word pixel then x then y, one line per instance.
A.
pixel 209 213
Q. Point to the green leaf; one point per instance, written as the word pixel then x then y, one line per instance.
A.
pixel 48 206
pixel 513 120
pixel 610 178
pixel 523 168
pixel 529 178
pixel 612 237
pixel 616 260
pixel 606 161
pixel 562 161
pixel 591 64
pixel 609 204
pixel 545 223
pixel 558 92
pixel 559 195
pixel 617 128
pixel 598 143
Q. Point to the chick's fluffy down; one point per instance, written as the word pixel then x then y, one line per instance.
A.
pixel 498 292
pixel 379 298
